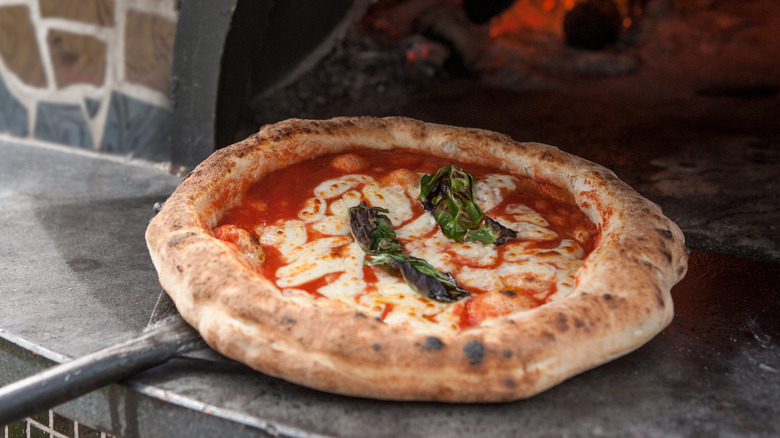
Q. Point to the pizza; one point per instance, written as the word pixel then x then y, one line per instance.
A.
pixel 395 259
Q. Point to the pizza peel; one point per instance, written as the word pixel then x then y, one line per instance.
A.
pixel 166 335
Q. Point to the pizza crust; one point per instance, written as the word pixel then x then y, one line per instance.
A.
pixel 620 301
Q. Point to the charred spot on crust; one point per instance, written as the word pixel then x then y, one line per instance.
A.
pixel 507 353
pixel 508 293
pixel 612 302
pixel 288 320
pixel 665 233
pixel 667 255
pixel 327 127
pixel 240 150
pixel 587 322
pixel 474 351
pixel 282 134
pixel 547 156
pixel 562 323
pixel 360 315
pixel 376 347
pixel 418 133
pixel 510 382
pixel 433 343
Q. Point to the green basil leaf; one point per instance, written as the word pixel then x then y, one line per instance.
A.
pixel 422 277
pixel 373 232
pixel 490 232
pixel 449 196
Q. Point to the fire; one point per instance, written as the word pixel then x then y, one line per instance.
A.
pixel 531 15
pixel 546 16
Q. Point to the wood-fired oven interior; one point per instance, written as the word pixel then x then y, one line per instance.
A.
pixel 680 99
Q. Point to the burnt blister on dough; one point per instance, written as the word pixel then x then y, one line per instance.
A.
pixel 475 352
pixel 433 343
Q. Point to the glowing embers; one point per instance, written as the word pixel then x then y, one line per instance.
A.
pixel 548 16
pixel 531 15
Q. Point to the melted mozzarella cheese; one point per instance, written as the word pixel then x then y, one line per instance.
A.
pixel 424 224
pixel 490 190
pixel 392 197
pixel 474 253
pixel 287 238
pixel 335 187
pixel 312 260
pixel 408 310
pixel 524 213
pixel 333 225
pixel 341 205
pixel 480 278
pixel 529 231
pixel 313 210
pixel 533 275
pixel 346 285
pixel 433 250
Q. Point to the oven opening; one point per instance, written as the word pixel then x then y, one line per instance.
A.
pixel 381 58
pixel 590 75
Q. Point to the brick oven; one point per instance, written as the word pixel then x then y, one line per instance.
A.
pixel 92 75
pixel 121 76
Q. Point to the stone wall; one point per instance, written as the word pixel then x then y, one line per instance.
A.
pixel 88 74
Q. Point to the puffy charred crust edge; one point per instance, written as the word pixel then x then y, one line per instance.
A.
pixel 621 300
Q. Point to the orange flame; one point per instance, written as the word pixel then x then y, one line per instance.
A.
pixel 535 16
